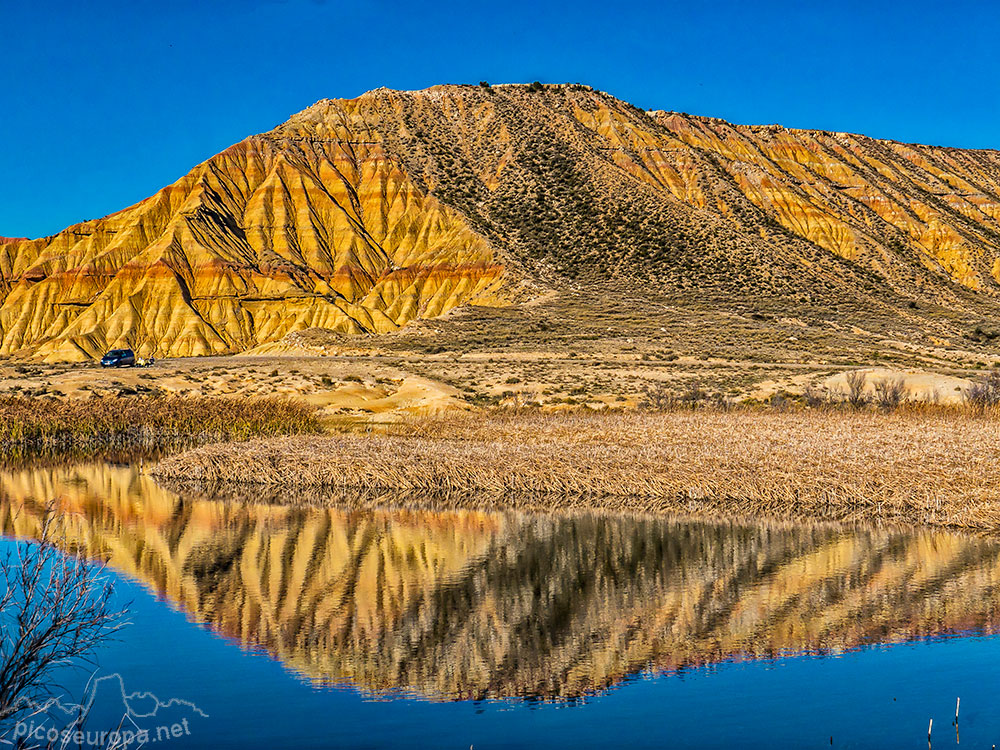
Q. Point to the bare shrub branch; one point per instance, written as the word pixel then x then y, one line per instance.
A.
pixel 814 396
pixel 55 610
pixel 658 397
pixel 984 393
pixel 856 396
pixel 889 393
pixel 693 395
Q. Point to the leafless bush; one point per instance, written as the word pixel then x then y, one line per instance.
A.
pixel 814 396
pixel 524 400
pixel 693 395
pixel 856 395
pixel 985 392
pixel 658 397
pixel 778 402
pixel 722 402
pixel 889 392
pixel 55 610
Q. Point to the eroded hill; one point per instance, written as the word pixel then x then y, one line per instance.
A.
pixel 361 216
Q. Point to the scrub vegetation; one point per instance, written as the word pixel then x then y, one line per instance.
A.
pixel 43 423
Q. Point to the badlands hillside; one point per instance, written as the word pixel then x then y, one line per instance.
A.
pixel 544 218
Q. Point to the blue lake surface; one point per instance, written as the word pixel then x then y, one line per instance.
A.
pixel 325 627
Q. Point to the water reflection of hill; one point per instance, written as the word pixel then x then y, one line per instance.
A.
pixel 463 604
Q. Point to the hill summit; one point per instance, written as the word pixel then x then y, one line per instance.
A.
pixel 362 215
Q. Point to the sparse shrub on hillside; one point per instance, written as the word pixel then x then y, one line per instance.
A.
pixel 813 396
pixel 889 392
pixel 657 397
pixel 981 336
pixel 856 396
pixel 985 392
pixel 536 86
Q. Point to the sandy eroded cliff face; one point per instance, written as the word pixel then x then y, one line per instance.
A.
pixel 281 232
pixel 363 215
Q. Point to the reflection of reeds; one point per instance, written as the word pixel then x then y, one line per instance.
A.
pixel 923 467
pixel 68 424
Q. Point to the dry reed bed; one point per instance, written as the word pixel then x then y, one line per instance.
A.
pixel 936 468
pixel 64 424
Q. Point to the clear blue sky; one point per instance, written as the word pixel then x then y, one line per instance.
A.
pixel 103 103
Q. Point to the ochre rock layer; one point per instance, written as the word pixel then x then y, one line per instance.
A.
pixel 362 215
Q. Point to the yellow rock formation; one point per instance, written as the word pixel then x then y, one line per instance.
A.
pixel 362 215
pixel 278 233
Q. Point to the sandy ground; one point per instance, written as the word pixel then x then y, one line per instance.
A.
pixel 340 388
pixel 919 385
pixel 390 386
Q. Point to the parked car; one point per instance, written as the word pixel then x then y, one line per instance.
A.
pixel 118 358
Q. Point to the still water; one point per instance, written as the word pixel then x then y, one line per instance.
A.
pixel 261 625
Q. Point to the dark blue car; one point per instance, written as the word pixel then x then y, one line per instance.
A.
pixel 118 358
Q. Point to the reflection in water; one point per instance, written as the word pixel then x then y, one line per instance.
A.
pixel 464 604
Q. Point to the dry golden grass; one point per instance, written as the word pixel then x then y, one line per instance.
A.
pixel 65 424
pixel 935 467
